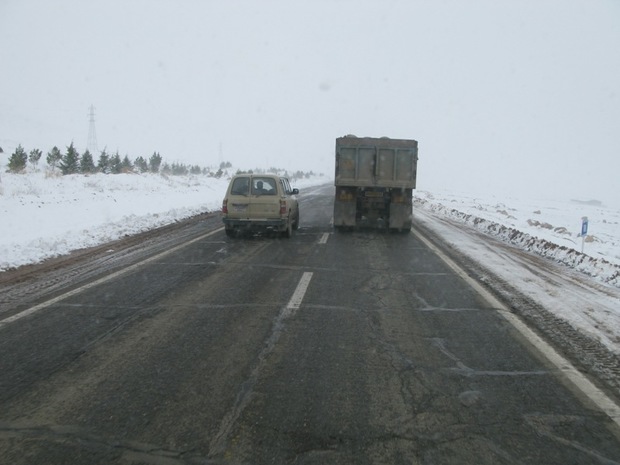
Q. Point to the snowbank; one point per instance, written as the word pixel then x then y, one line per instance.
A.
pixel 550 228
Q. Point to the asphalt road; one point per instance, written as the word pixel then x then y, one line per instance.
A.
pixel 326 348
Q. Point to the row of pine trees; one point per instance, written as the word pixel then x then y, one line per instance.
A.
pixel 72 162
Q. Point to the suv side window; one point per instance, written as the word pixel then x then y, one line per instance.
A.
pixel 240 186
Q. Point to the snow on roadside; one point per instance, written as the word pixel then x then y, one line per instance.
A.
pixel 44 217
pixel 47 216
pixel 549 228
pixel 590 308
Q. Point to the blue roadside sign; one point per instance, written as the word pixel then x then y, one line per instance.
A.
pixel 584 226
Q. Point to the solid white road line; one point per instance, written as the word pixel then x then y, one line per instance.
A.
pixel 574 376
pixel 97 282
pixel 323 239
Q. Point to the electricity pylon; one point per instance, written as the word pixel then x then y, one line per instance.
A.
pixel 92 135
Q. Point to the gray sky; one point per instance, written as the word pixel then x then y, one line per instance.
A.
pixel 502 95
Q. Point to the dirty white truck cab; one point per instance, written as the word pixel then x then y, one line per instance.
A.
pixel 260 203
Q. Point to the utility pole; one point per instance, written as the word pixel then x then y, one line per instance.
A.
pixel 92 135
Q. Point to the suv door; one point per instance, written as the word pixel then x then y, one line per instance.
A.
pixel 238 198
pixel 264 200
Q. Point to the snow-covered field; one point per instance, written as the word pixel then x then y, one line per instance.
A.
pixel 45 216
pixel 551 228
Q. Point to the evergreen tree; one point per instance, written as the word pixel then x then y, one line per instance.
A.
pixel 53 157
pixel 18 160
pixel 195 169
pixel 179 169
pixel 155 162
pixel 141 164
pixel 126 165
pixel 166 169
pixel 87 164
pixel 103 165
pixel 116 166
pixel 34 157
pixel 70 163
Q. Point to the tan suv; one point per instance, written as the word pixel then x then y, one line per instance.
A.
pixel 260 203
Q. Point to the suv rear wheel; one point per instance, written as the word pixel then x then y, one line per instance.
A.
pixel 288 232
pixel 296 224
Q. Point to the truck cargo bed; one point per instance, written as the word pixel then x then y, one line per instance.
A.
pixel 374 182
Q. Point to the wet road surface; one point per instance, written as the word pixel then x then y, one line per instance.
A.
pixel 327 348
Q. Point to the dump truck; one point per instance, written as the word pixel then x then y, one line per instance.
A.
pixel 374 180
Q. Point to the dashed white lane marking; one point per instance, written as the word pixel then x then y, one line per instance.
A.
pixel 574 376
pixel 219 443
pixel 97 282
pixel 323 239
pixel 300 291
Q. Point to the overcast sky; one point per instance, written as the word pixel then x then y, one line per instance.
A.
pixel 514 96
